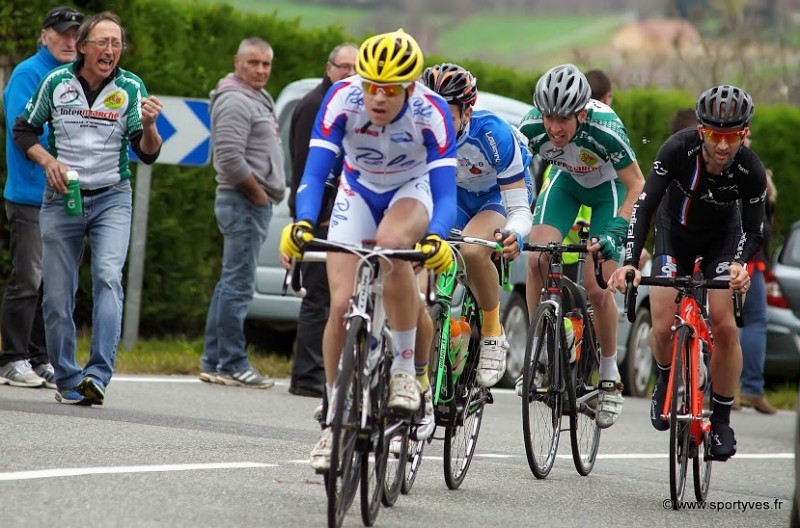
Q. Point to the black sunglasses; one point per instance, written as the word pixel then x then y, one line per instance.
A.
pixel 65 15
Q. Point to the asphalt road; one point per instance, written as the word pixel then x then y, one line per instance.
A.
pixel 175 452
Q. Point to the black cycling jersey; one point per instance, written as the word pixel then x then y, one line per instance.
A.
pixel 692 200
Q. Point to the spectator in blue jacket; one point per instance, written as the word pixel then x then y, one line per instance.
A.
pixel 23 357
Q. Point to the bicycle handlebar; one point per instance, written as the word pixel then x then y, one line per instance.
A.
pixel 560 248
pixel 687 283
pixel 505 264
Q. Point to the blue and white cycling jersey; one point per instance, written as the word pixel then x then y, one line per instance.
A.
pixel 491 153
pixel 377 160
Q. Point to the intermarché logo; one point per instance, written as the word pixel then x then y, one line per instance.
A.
pixel 738 505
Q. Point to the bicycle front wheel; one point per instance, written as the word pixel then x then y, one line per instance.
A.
pixel 679 427
pixel 375 456
pixel 701 466
pixel 542 392
pixel 466 410
pixel 344 472
pixel 585 383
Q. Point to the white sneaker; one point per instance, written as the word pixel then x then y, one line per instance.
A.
pixel 492 362
pixel 609 403
pixel 318 412
pixel 426 424
pixel 20 374
pixel 403 392
pixel 321 454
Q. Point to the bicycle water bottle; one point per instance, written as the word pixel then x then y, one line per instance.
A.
pixel 73 205
pixel 701 365
pixel 459 344
pixel 573 334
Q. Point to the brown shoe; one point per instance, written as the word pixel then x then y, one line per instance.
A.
pixel 759 403
pixel 737 402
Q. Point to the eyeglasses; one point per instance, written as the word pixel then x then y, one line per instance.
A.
pixel 345 67
pixel 389 90
pixel 716 136
pixel 104 43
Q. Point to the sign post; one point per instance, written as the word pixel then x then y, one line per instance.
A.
pixel 184 125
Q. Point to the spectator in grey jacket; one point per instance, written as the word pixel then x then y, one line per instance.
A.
pixel 250 179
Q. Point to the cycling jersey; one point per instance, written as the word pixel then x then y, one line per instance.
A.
pixel 377 160
pixel 599 149
pixel 694 201
pixel 491 153
pixel 79 124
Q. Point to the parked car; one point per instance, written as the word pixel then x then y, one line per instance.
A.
pixel 270 307
pixel 783 310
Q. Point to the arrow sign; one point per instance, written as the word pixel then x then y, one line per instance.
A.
pixel 184 125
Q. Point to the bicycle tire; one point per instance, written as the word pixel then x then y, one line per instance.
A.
pixel 679 429
pixel 466 409
pixel 375 456
pixel 583 394
pixel 414 449
pixel 701 468
pixel 395 472
pixel 542 403
pixel 344 473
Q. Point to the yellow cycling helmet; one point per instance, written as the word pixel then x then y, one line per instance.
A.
pixel 390 58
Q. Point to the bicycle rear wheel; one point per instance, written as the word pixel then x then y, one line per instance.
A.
pixel 701 468
pixel 375 443
pixel 344 472
pixel 466 410
pixel 414 450
pixel 679 428
pixel 397 452
pixel 542 392
pixel 585 383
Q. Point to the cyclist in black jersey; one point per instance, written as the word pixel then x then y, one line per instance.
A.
pixel 706 191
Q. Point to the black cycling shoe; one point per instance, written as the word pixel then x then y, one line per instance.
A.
pixel 723 442
pixel 657 405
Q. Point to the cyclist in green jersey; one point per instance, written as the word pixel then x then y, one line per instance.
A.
pixel 594 165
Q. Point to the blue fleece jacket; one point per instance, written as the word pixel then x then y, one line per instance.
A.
pixel 25 181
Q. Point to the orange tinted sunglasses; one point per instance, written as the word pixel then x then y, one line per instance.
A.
pixel 715 136
pixel 389 90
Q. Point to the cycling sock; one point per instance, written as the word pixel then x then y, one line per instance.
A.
pixel 331 404
pixel 491 322
pixel 721 407
pixel 422 376
pixel 403 345
pixel 608 368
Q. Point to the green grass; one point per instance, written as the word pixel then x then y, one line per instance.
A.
pixel 182 356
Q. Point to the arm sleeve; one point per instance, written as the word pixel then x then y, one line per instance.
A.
pixel 147 159
pixel 442 173
pixel 519 217
pixel 654 189
pixel 25 134
pixel 753 200
pixel 231 123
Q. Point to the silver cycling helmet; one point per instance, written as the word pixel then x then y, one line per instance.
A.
pixel 562 91
pixel 725 107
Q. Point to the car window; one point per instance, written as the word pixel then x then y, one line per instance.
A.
pixel 284 120
pixel 790 256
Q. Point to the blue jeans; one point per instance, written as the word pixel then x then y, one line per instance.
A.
pixel 21 326
pixel 106 221
pixel 244 228
pixel 753 336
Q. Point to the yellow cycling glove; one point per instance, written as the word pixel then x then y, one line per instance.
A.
pixel 294 236
pixel 440 254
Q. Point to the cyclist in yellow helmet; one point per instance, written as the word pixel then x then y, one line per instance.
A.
pixel 398 188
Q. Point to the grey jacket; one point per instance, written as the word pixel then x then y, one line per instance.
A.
pixel 245 138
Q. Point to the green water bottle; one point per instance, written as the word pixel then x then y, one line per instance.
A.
pixel 73 205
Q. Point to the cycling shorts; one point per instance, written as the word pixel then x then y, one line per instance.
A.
pixel 357 214
pixel 677 248
pixel 471 203
pixel 559 203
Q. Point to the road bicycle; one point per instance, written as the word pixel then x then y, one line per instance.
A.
pixel 363 427
pixel 692 347
pixel 458 400
pixel 552 385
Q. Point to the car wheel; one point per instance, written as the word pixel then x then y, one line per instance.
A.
pixel 638 365
pixel 515 324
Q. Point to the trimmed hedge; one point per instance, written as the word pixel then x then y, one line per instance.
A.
pixel 182 50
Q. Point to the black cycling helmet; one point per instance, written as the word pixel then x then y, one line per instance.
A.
pixel 562 91
pixel 454 83
pixel 725 107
